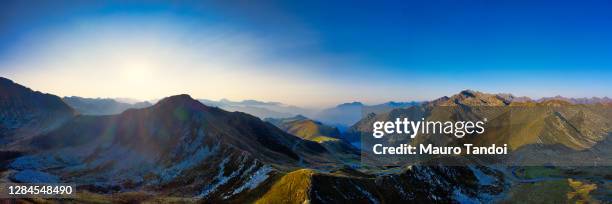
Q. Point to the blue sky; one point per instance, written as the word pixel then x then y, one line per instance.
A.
pixel 311 53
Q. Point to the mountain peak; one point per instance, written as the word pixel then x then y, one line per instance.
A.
pixel 469 93
pixel 471 97
pixel 179 97
pixel 477 98
pixel 300 117
pixel 178 100
pixel 354 103
pixel 258 103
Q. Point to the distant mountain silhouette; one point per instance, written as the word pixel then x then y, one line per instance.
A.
pixel 101 106
pixel 342 115
pixel 258 108
pixel 592 100
pixel 347 114
pixel 25 113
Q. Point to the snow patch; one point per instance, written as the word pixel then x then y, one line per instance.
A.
pixel 254 180
pixel 220 178
pixel 196 158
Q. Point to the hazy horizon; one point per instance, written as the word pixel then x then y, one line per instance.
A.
pixel 311 54
pixel 132 100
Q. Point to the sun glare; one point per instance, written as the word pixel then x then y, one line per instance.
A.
pixel 137 72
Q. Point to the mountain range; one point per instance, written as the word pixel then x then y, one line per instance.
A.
pixel 347 114
pixel 178 146
pixel 181 150
pixel 592 100
pixel 518 123
pixel 257 108
pixel 101 106
pixel 341 116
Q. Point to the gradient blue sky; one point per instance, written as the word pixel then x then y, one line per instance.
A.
pixel 309 53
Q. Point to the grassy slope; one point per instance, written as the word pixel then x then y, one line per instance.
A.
pixel 291 188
